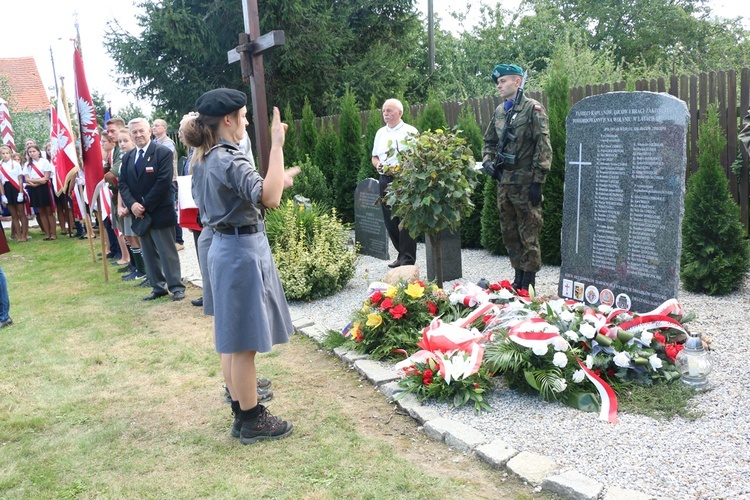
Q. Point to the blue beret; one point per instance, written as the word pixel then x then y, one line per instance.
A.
pixel 506 69
pixel 220 102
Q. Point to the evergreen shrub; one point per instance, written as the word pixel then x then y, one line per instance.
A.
pixel 433 117
pixel 348 158
pixel 715 255
pixel 310 183
pixel 310 250
pixel 325 152
pixel 552 206
pixel 291 147
pixel 471 228
pixel 374 122
pixel 308 136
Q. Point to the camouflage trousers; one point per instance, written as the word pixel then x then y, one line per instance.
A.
pixel 521 224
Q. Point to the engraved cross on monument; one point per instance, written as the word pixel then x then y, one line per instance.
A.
pixel 249 53
pixel 578 211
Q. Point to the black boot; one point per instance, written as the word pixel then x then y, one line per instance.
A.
pixel 518 279
pixel 529 279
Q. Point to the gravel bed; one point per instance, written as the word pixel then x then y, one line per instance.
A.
pixel 705 458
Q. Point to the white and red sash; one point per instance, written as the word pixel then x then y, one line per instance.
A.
pixel 12 181
pixel 49 184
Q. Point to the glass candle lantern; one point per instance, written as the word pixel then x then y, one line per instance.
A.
pixel 694 362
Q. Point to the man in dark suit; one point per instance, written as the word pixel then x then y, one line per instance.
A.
pixel 145 182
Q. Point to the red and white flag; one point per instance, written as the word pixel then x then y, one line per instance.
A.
pixel 93 169
pixel 6 129
pixel 61 146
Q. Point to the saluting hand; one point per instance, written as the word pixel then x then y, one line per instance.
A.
pixel 278 129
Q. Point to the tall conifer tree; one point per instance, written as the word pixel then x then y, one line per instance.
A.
pixel 715 256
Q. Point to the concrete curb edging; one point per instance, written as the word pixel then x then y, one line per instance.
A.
pixel 538 470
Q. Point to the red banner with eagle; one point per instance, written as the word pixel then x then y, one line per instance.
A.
pixel 91 149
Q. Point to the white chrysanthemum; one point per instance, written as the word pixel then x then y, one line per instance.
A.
pixel 566 316
pixel 654 361
pixel 647 337
pixel 539 349
pixel 578 376
pixel 573 336
pixel 589 362
pixel 560 385
pixel 622 359
pixel 560 344
pixel 587 330
pixel 560 360
pixel 604 309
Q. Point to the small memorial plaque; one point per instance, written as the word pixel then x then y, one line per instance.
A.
pixel 369 226
pixel 624 190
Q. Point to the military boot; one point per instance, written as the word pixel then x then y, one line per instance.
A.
pixel 518 279
pixel 529 279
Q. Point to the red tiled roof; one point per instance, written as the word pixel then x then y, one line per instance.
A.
pixel 26 85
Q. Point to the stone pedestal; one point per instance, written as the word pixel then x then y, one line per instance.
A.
pixel 451 245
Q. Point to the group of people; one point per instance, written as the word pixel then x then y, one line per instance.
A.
pixel 519 190
pixel 27 188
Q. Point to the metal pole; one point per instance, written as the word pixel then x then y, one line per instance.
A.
pixel 54 73
pixel 431 34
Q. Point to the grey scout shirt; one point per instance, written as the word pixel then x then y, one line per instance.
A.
pixel 227 188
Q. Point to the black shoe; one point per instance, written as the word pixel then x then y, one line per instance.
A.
pixel 178 295
pixel 144 283
pixel 78 235
pixel 264 383
pixel 395 263
pixel 9 322
pixel 517 280
pixel 264 427
pixel 155 295
pixel 197 302
pixel 127 269
pixel 111 255
pixel 135 275
pixel 529 280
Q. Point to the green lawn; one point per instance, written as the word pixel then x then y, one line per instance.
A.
pixel 104 395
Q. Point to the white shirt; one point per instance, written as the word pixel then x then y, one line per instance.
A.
pixel 388 138
pixel 13 169
pixel 43 166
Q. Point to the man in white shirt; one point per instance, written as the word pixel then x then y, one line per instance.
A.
pixel 395 135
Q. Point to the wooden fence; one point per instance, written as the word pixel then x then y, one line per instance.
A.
pixel 697 91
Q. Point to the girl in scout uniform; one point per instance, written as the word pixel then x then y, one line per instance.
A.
pixel 250 310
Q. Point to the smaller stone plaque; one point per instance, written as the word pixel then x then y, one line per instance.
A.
pixel 451 245
pixel 369 226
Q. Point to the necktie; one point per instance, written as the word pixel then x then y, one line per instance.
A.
pixel 139 162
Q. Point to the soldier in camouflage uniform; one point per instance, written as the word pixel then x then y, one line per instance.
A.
pixel 519 191
pixel 745 133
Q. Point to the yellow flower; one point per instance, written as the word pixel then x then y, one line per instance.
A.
pixel 415 290
pixel 366 306
pixel 391 292
pixel 374 320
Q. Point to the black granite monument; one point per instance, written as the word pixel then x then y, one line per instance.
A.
pixel 369 227
pixel 624 189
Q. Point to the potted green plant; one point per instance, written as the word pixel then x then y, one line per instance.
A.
pixel 432 187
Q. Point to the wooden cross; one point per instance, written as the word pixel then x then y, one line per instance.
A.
pixel 250 54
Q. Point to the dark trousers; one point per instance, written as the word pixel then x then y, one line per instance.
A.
pixel 405 245
pixel 161 260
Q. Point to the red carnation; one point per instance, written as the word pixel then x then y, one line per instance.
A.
pixel 387 304
pixel 523 293
pixel 398 312
pixel 420 283
pixel 432 308
pixel 376 297
pixel 660 338
pixel 495 286
pixel 671 350
pixel 506 284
